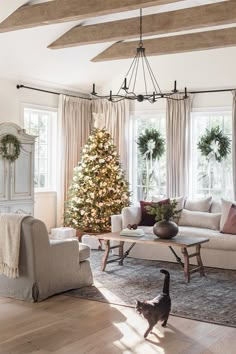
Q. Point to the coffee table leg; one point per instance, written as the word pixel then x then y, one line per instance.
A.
pixel 199 260
pixel 106 254
pixel 186 264
pixel 121 252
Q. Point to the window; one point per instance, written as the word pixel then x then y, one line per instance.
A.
pixel 212 178
pixel 147 181
pixel 42 122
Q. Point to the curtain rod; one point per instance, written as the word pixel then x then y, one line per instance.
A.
pixel 51 92
pixel 59 93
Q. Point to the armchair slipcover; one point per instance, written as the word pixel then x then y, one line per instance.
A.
pixel 46 267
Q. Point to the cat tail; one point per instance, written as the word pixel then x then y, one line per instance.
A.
pixel 166 284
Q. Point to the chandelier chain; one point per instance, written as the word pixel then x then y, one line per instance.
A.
pixel 141 29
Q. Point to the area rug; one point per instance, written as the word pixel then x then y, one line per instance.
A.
pixel 210 299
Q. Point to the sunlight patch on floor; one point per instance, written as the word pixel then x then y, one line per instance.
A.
pixel 133 338
pixel 109 295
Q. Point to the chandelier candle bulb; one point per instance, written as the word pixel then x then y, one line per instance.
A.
pixel 125 85
pixel 185 93
pixel 94 92
pixel 175 87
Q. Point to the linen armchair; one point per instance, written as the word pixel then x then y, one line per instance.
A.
pixel 46 267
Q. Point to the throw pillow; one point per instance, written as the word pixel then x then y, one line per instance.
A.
pixel 230 224
pixel 179 200
pixel 148 219
pixel 198 205
pixel 200 219
pixel 225 208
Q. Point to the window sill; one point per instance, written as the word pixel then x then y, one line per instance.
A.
pixel 45 193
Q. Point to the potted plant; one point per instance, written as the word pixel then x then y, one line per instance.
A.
pixel 165 213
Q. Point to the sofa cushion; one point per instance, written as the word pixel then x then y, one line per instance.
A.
pixel 225 206
pixel 230 223
pixel 131 215
pixel 200 219
pixel 215 207
pixel 217 240
pixel 84 252
pixel 180 201
pixel 199 204
pixel 148 219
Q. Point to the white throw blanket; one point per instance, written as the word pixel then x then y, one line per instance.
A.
pixel 10 227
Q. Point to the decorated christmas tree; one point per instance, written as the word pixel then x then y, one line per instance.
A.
pixel 98 188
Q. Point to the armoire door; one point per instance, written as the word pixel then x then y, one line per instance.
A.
pixel 22 174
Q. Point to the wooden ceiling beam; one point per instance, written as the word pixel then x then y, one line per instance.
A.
pixel 69 10
pixel 173 44
pixel 167 22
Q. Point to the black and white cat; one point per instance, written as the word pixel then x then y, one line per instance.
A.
pixel 157 309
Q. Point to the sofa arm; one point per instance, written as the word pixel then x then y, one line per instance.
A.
pixel 131 215
pixel 116 223
pixel 64 254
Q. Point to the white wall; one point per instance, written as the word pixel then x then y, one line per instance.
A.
pixel 10 111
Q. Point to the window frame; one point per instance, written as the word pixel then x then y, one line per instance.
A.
pixel 197 112
pixel 133 149
pixel 52 143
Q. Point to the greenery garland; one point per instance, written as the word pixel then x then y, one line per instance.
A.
pixel 151 135
pixel 4 147
pixel 214 135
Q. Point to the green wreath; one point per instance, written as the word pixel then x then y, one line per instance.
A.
pixel 151 138
pixel 4 147
pixel 215 135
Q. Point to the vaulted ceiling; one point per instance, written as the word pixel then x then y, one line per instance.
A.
pixel 72 43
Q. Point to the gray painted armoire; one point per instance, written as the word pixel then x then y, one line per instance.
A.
pixel 17 178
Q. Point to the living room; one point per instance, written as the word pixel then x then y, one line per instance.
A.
pixel 52 73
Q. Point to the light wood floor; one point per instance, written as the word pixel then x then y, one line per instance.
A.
pixel 68 325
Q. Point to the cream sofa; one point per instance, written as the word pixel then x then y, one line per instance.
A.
pixel 46 267
pixel 219 252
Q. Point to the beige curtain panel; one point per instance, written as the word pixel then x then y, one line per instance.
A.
pixel 74 127
pixel 234 143
pixel 115 118
pixel 178 146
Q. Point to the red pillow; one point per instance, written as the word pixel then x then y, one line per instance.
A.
pixel 148 219
pixel 230 224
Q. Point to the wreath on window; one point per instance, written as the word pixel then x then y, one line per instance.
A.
pixel 151 144
pixel 214 144
pixel 10 147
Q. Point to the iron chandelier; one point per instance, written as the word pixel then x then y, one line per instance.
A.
pixel 129 82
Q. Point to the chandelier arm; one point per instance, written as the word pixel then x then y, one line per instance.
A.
pixel 175 99
pixel 132 64
pixel 134 69
pixel 136 72
pixel 155 85
pixel 144 74
pixel 152 75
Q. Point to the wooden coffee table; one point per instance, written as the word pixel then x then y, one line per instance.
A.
pixel 183 242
